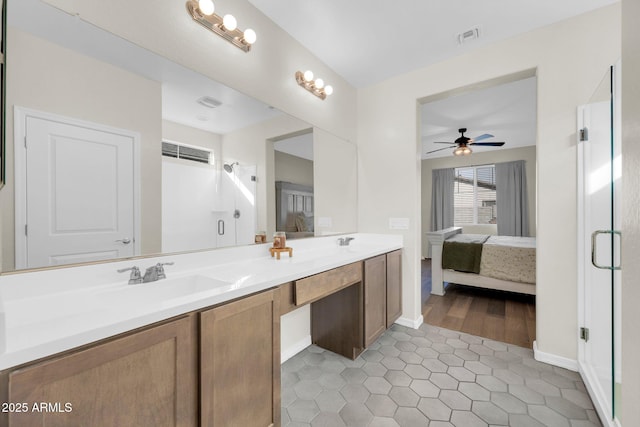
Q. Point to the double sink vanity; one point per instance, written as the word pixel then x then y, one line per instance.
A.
pixel 80 346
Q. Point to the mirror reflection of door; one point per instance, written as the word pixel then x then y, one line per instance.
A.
pixel 293 170
pixel 77 186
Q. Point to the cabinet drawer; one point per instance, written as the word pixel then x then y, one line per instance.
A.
pixel 320 285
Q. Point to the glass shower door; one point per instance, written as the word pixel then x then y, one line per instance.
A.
pixel 599 235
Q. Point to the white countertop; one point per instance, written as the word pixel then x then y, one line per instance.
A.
pixel 46 312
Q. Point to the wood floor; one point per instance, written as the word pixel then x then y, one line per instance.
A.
pixel 502 316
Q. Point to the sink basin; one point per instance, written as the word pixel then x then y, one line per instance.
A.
pixel 164 290
pixel 71 310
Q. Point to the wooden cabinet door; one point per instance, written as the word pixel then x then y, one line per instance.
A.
pixel 146 378
pixel 394 286
pixel 375 296
pixel 240 363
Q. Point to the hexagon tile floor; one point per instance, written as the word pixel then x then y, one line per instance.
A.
pixel 432 377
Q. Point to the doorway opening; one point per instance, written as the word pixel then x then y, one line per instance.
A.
pixel 468 136
pixel 294 190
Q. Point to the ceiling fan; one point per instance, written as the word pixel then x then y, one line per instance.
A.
pixel 464 142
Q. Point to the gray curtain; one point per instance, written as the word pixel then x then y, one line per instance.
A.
pixel 442 182
pixel 511 195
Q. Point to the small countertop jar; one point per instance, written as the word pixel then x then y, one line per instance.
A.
pixel 279 240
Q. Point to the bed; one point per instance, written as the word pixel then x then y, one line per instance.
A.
pixel 294 210
pixel 504 263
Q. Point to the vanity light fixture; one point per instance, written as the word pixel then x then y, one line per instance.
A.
pixel 202 11
pixel 316 87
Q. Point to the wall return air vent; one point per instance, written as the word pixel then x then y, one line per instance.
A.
pixel 178 151
pixel 469 35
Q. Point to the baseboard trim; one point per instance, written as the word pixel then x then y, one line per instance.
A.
pixel 409 323
pixel 288 353
pixel 553 359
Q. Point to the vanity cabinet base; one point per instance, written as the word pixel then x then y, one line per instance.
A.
pixel 146 378
pixel 394 286
pixel 240 362
pixel 375 298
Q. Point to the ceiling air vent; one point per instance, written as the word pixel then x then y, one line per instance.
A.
pixel 209 102
pixel 185 152
pixel 468 35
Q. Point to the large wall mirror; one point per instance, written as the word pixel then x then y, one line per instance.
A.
pixel 3 39
pixel 113 151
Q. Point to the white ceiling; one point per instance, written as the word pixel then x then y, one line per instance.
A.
pixel 367 41
pixel 181 87
pixel 507 111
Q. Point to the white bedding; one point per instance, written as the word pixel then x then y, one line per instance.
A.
pixel 509 258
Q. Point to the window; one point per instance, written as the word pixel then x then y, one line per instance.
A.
pixel 474 195
pixel 183 151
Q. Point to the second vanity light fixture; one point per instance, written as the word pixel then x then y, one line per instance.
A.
pixel 316 86
pixel 226 27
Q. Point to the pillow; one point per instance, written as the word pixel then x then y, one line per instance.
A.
pixel 309 222
pixel 304 222
pixel 301 223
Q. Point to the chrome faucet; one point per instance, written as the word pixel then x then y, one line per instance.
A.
pixel 344 241
pixel 152 273
pixel 135 277
pixel 155 272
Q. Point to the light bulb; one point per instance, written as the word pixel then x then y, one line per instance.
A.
pixel 467 151
pixel 458 151
pixel 229 22
pixel 206 7
pixel 249 36
pixel 319 83
pixel 308 75
pixel 328 89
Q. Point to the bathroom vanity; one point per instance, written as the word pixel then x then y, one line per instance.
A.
pixel 205 352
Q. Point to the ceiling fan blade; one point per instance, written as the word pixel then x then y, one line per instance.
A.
pixel 481 137
pixel 488 144
pixel 439 149
pixel 442 142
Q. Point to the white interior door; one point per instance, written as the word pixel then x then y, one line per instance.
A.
pixel 79 201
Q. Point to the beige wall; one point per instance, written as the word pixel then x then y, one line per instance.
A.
pixel 570 58
pixel 334 172
pixel 528 154
pixel 45 77
pixel 334 165
pixel 266 72
pixel 253 146
pixel 630 209
pixel 294 169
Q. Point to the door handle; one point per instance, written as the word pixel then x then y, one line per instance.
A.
pixel 126 240
pixel 220 227
pixel 594 246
